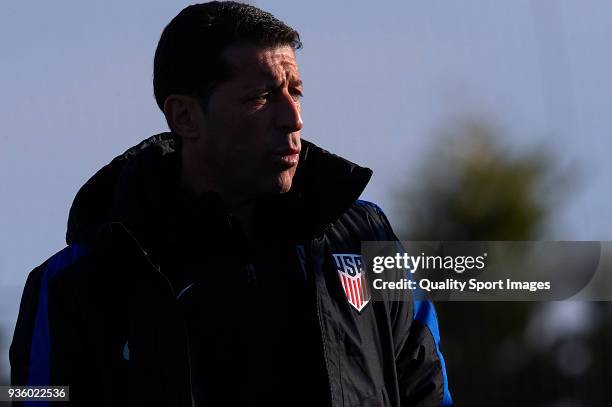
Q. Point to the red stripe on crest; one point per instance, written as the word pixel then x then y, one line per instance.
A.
pixel 359 292
pixel 355 300
pixel 347 288
pixel 356 292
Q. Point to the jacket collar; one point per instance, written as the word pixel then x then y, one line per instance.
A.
pixel 137 187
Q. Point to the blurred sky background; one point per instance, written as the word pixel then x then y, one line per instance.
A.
pixel 380 79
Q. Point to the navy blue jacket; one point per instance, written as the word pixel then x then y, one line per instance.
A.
pixel 103 317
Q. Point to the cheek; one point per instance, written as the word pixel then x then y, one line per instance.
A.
pixel 242 147
pixel 249 136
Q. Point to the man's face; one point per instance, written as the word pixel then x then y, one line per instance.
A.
pixel 251 127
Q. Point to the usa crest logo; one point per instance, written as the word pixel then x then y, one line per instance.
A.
pixel 350 271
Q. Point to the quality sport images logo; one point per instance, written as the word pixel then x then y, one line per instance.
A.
pixel 350 271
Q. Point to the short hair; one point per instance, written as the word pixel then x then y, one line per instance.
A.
pixel 188 56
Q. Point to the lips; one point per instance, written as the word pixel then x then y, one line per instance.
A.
pixel 286 157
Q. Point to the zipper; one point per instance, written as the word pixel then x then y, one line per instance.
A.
pixel 310 266
pixel 144 255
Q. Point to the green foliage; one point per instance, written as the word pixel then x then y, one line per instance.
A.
pixel 472 188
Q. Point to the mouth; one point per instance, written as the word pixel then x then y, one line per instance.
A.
pixel 286 158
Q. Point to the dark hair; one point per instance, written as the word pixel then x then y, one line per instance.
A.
pixel 188 56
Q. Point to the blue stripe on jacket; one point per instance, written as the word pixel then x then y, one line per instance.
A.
pixel 40 351
pixel 425 313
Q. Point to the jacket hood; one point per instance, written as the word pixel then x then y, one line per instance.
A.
pixel 136 187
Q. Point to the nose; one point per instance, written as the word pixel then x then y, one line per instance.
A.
pixel 289 117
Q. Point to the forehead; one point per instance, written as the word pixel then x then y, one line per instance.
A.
pixel 252 63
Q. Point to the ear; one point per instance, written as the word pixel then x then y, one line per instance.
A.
pixel 184 115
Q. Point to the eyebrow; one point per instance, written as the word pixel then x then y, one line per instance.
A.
pixel 271 83
pixel 291 79
pixel 295 81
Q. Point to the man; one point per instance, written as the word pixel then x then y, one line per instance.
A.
pixel 205 265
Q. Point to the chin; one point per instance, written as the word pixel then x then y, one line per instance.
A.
pixel 284 182
pixel 283 187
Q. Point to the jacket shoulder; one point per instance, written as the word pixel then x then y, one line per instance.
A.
pixel 369 207
pixel 64 259
pixel 367 221
pixel 29 350
pixel 55 265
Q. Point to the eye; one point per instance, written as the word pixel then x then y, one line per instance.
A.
pixel 296 94
pixel 262 97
